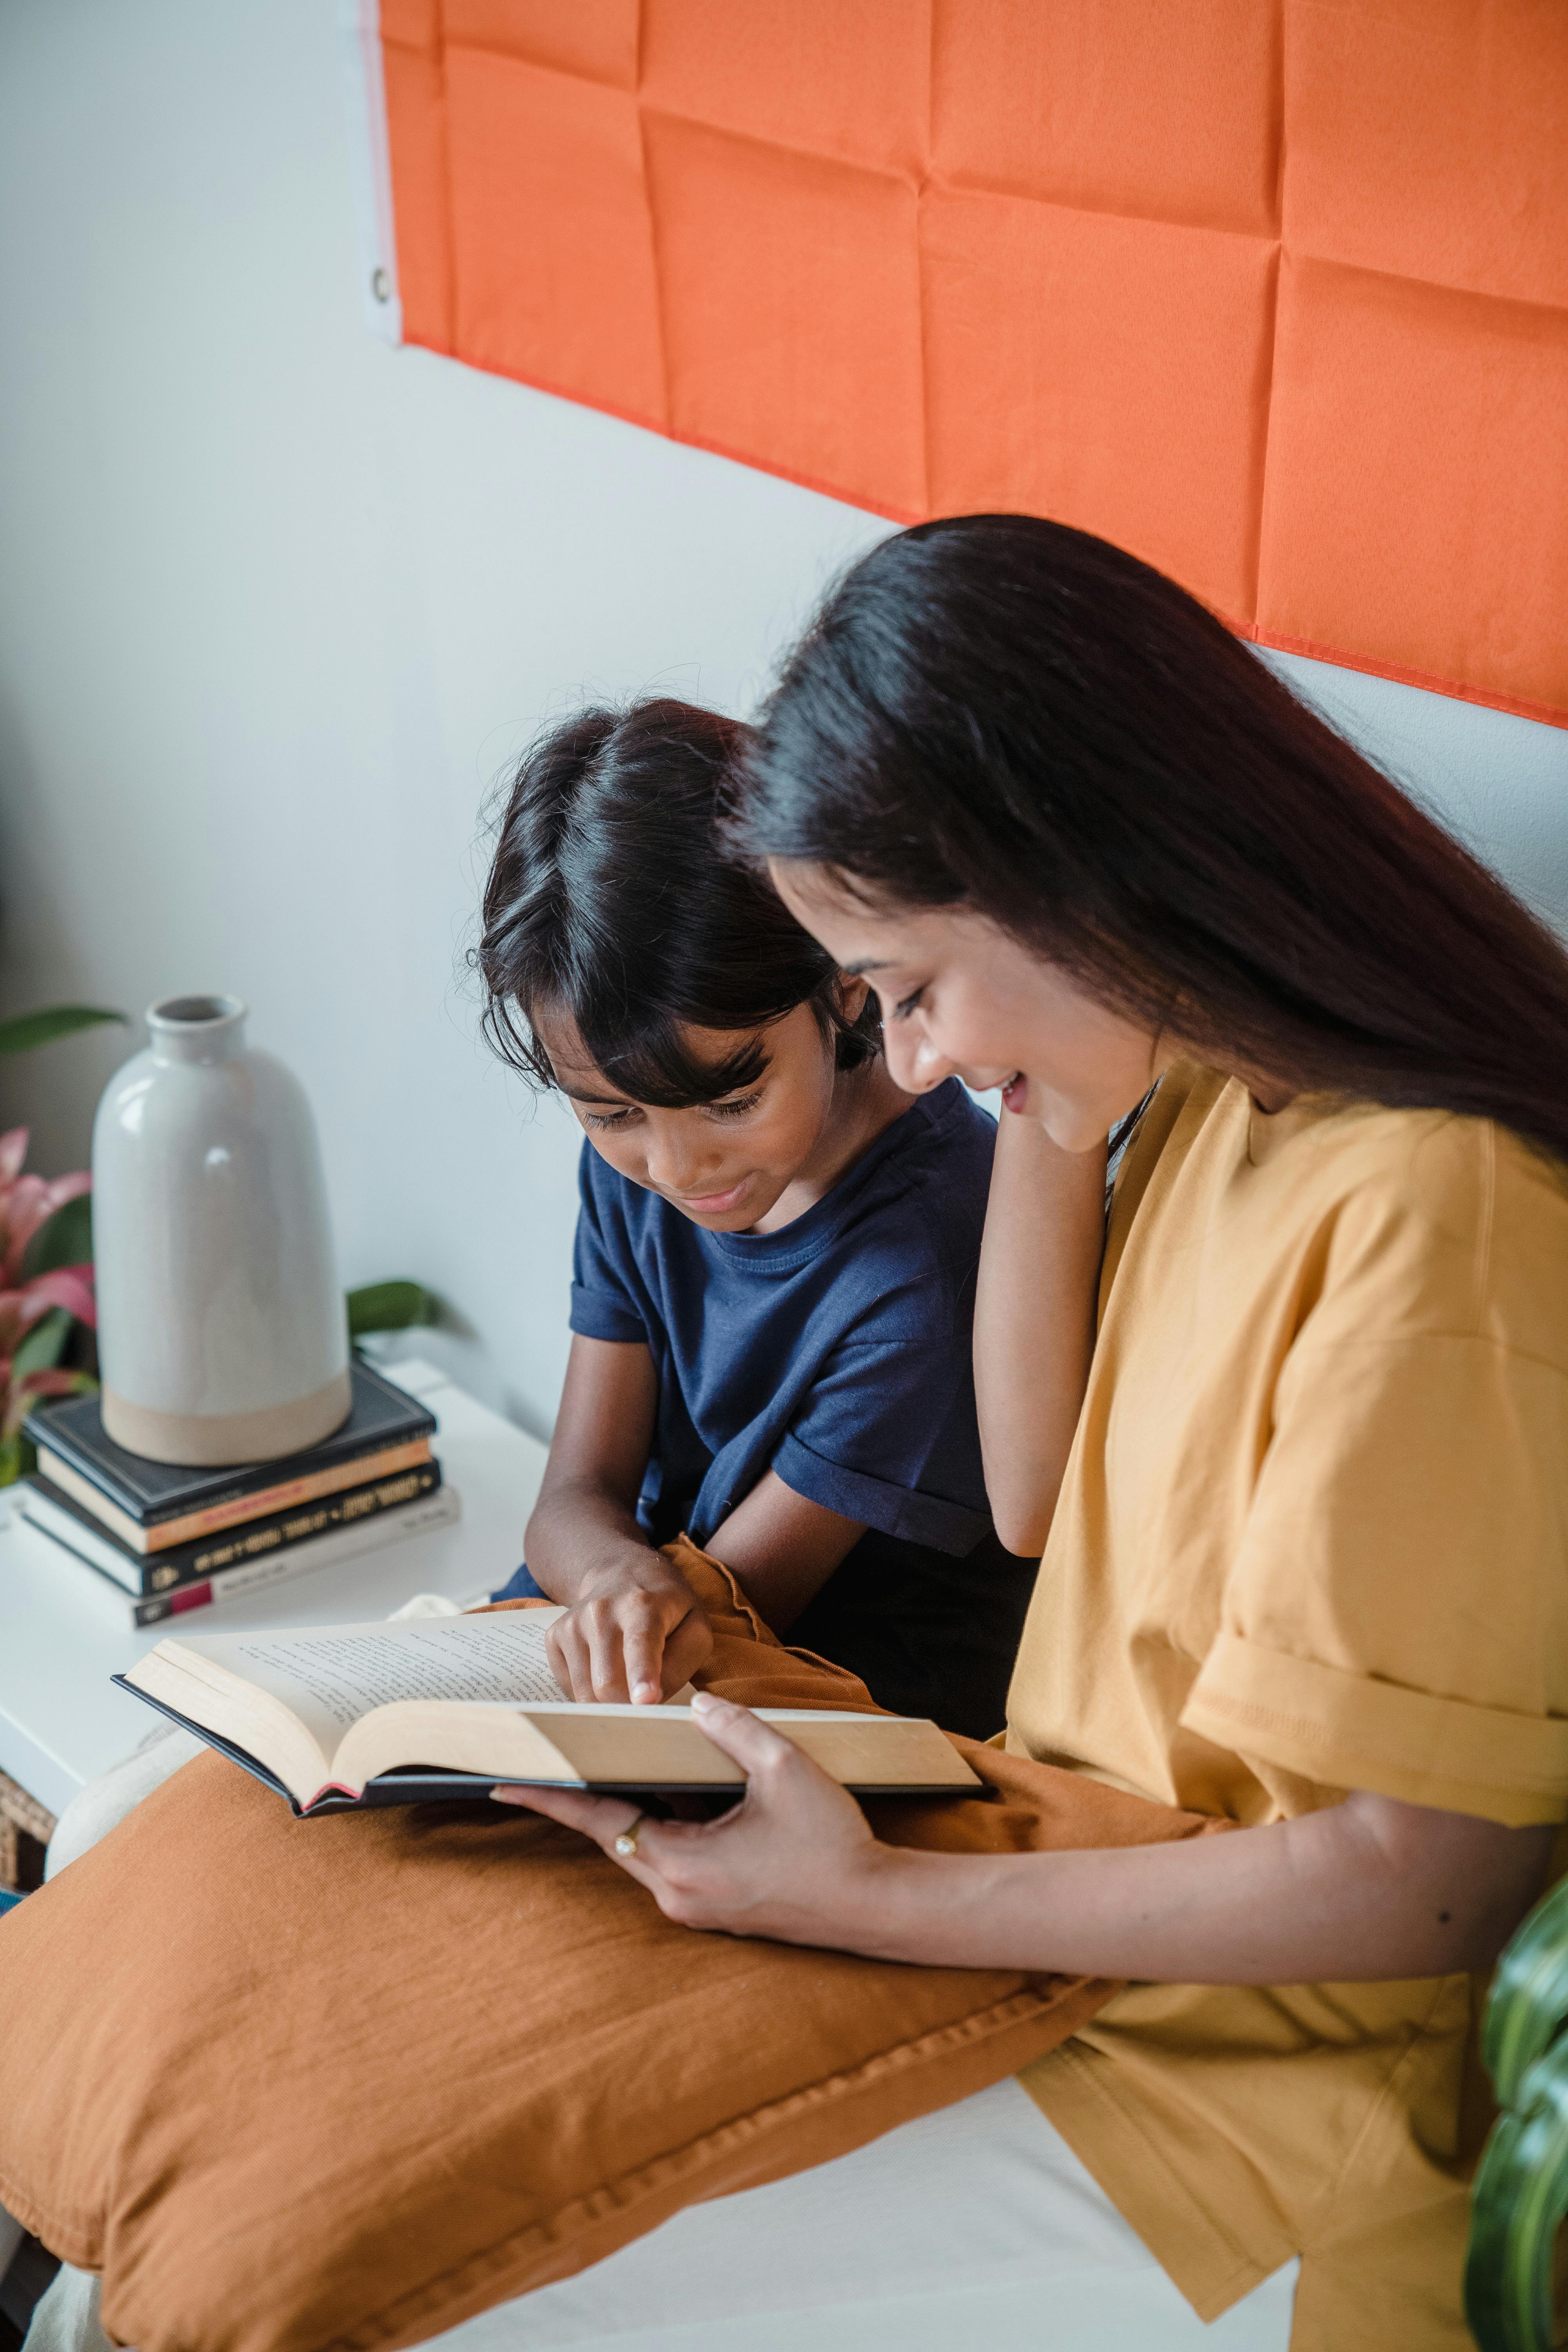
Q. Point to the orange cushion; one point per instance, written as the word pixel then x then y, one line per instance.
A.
pixel 292 2084
pixel 1277 296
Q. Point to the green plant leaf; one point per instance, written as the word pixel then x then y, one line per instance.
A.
pixel 1516 2208
pixel 1520 2192
pixel 64 1239
pixel 391 1307
pixel 30 1030
pixel 44 1345
pixel 1528 2004
pixel 14 1463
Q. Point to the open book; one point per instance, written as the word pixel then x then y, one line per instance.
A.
pixel 339 1716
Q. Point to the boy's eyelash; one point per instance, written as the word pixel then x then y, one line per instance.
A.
pixel 907 1004
pixel 611 1119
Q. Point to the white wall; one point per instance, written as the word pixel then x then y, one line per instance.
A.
pixel 277 603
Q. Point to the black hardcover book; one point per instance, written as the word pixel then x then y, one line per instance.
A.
pixel 414 1785
pixel 410 1711
pixel 382 1415
pixel 924 1764
pixel 150 1574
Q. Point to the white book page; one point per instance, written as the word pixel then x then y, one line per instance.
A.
pixel 330 1675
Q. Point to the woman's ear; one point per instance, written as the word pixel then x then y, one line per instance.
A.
pixel 854 988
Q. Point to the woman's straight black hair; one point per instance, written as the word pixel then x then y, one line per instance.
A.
pixel 1005 714
pixel 609 902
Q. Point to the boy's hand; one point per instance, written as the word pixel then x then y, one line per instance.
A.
pixel 636 1634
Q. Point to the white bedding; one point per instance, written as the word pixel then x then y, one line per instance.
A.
pixel 973 2227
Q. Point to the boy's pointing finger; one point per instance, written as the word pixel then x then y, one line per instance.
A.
pixel 644 1654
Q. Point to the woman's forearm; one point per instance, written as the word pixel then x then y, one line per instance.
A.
pixel 1366 1889
pixel 1034 1321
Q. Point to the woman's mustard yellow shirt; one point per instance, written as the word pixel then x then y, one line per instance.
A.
pixel 1313 1538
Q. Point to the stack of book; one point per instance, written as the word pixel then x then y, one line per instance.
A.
pixel 174 1538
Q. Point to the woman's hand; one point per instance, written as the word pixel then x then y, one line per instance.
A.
pixel 795 1859
pixel 634 1631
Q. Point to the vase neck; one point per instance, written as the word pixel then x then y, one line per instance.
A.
pixel 197 1028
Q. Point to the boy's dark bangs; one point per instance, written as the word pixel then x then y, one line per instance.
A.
pixel 657 1066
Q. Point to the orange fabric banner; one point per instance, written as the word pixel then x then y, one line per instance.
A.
pixel 1273 292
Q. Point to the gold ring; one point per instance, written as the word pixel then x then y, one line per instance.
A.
pixel 627 1843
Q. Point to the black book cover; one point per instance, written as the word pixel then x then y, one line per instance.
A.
pixel 157 1572
pixel 426 1784
pixel 151 1492
pixel 421 1785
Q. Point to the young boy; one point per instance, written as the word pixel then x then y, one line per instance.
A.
pixel 775 1254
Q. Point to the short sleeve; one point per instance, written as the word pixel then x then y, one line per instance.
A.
pixel 1396 1617
pixel 887 1433
pixel 603 1304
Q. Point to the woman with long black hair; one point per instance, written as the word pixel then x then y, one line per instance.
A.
pixel 1300 1480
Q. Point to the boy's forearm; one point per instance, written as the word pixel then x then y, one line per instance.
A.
pixel 1034 1321
pixel 782 1547
pixel 580 1540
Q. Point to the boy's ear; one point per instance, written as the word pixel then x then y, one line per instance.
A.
pixel 854 988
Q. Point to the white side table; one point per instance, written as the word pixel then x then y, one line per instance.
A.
pixel 63 1632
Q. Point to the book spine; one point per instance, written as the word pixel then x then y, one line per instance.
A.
pixel 99 1551
pixel 245 1543
pixel 192 1525
pixel 441 1509
pixel 69 1481
pixel 147 1575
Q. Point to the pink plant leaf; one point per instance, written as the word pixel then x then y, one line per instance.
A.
pixel 21 1209
pixel 26 1391
pixel 19 1310
pixel 22 1196
pixel 49 1380
pixel 44 1195
pixel 69 1188
pixel 13 1153
pixel 69 1287
pixel 27 1202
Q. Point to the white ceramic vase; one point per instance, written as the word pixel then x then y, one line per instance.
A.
pixel 222 1335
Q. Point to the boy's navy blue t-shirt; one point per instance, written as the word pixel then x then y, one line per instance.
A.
pixel 836 1353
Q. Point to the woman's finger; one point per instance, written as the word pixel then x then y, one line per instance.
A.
pixel 754 1745
pixel 604 1818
